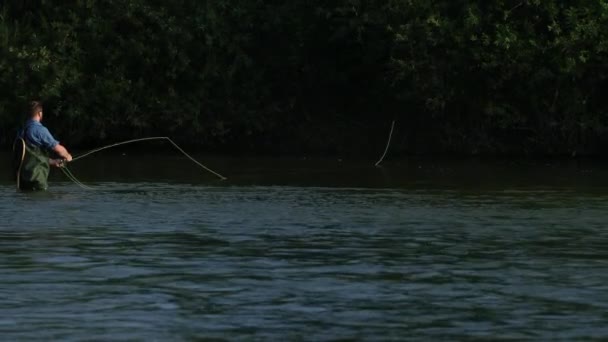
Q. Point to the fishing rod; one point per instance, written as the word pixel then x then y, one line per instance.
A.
pixel 71 176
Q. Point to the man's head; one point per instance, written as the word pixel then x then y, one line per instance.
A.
pixel 36 110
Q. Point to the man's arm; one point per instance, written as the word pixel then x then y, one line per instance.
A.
pixel 62 152
pixel 47 141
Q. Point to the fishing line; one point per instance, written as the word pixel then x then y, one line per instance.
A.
pixel 21 159
pixel 388 144
pixel 151 138
pixel 73 178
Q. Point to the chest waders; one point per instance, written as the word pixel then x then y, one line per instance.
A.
pixel 31 166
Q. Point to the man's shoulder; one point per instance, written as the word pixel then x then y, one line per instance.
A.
pixel 37 126
pixel 38 135
pixel 32 125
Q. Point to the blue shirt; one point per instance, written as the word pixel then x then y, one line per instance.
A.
pixel 37 135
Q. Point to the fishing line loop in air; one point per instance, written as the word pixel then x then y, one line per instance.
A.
pixel 71 176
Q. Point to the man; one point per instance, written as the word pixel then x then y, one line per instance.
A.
pixel 31 152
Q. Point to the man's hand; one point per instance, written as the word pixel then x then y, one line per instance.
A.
pixel 57 162
pixel 68 158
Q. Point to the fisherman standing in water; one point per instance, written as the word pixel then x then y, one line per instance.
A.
pixel 31 152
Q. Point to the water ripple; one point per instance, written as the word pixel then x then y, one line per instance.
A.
pixel 162 261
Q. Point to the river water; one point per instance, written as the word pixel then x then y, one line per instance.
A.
pixel 307 250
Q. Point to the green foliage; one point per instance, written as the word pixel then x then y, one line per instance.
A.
pixel 504 76
pixel 312 76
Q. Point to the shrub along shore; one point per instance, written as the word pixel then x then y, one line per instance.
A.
pixel 311 76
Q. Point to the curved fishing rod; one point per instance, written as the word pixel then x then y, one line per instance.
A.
pixel 146 139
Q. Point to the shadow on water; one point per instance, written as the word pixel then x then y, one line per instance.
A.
pixel 422 173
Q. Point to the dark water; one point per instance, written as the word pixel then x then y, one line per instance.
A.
pixel 303 250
